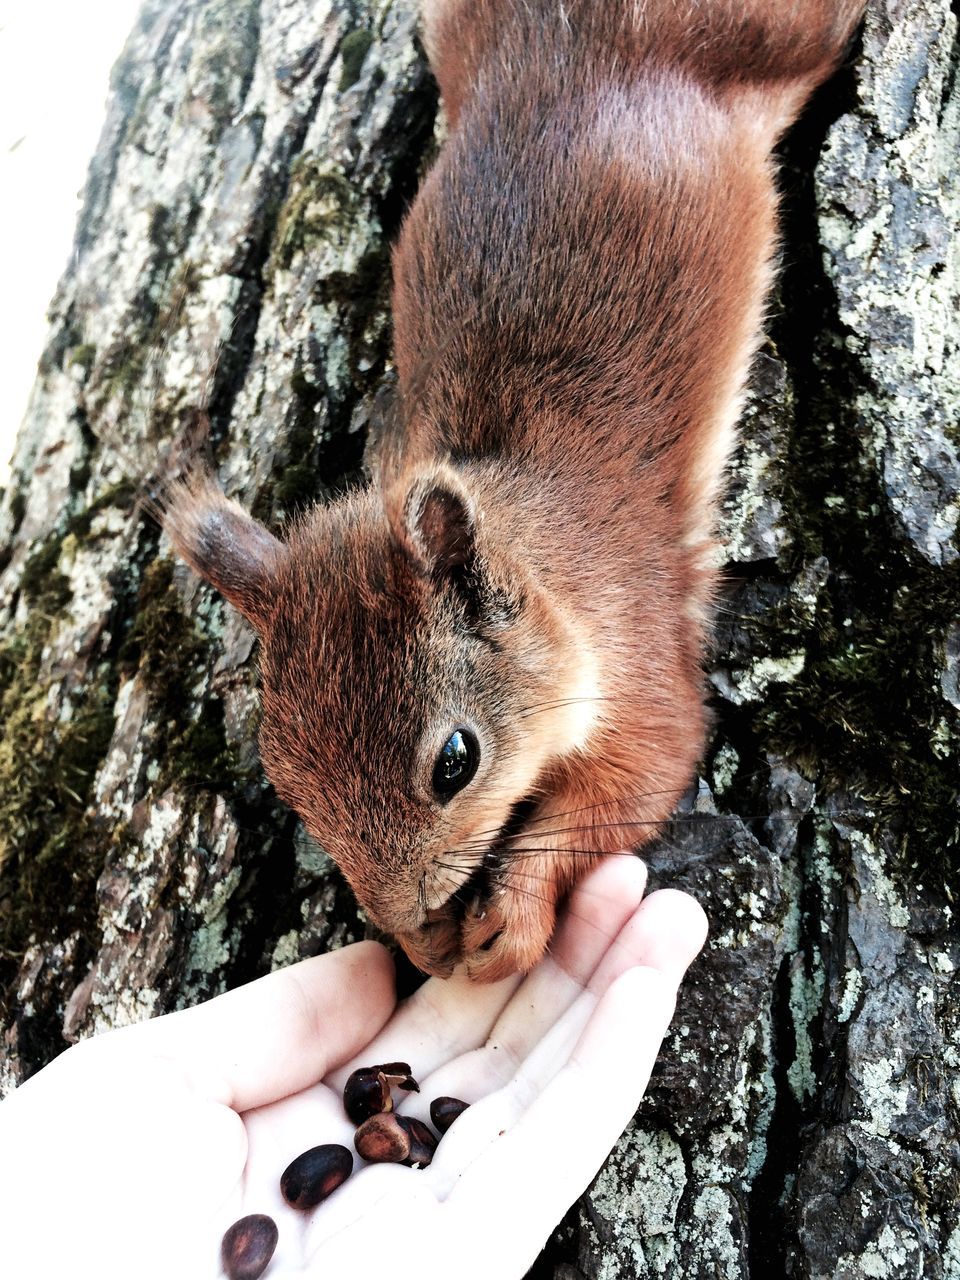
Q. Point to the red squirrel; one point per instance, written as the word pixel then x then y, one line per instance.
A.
pixel 482 672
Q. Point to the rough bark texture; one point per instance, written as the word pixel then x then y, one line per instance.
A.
pixel 231 277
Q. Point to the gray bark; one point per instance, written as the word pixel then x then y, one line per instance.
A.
pixel 231 279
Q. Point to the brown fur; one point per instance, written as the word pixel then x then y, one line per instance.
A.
pixel 578 291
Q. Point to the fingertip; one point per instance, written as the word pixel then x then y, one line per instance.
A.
pixel 377 960
pixel 683 920
pixel 620 877
pixel 288 1030
pixel 377 966
pixel 630 871
pixel 600 906
pixel 688 917
pixel 367 952
pixel 368 979
pixel 361 967
pixel 666 931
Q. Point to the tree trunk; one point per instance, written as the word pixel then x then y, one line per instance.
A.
pixel 231 280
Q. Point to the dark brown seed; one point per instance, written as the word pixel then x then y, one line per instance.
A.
pixel 248 1247
pixel 367 1091
pixel 443 1112
pixel 366 1094
pixel 394 1068
pixel 383 1140
pixel 423 1142
pixel 398 1075
pixel 315 1175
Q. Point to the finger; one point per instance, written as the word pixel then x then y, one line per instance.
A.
pixel 661 935
pixel 279 1034
pixel 447 1018
pixel 441 1020
pixel 551 1155
pixel 599 908
pixel 527 1063
pixel 668 930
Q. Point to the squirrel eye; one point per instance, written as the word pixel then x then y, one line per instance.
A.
pixel 456 763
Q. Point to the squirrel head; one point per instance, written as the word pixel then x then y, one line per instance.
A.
pixel 416 692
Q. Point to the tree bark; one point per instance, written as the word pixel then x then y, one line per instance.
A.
pixel 230 282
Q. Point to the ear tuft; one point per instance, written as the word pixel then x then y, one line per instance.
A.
pixel 224 545
pixel 439 523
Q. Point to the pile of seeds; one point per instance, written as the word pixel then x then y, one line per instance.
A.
pixel 382 1136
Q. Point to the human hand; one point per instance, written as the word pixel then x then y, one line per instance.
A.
pixel 134 1151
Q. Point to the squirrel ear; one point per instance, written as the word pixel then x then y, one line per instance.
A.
pixel 438 522
pixel 224 545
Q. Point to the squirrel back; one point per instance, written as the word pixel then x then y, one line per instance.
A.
pixel 483 671
pixel 779 50
pixel 595 246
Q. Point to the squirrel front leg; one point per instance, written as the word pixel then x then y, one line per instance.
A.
pixel 602 802
pixel 511 932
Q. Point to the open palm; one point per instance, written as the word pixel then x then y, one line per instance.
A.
pixel 142 1146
